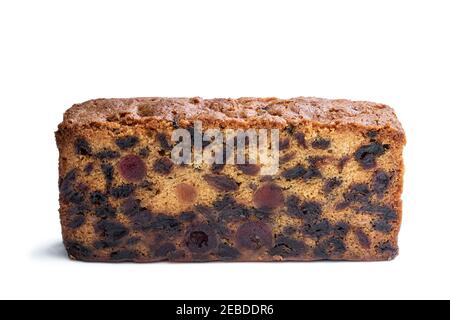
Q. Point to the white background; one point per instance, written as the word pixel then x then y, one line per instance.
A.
pixel 56 53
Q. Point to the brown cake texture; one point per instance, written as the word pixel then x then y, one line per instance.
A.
pixel 336 196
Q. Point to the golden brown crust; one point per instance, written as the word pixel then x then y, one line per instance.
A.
pixel 243 112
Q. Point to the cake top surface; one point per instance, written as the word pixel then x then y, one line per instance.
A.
pixel 242 112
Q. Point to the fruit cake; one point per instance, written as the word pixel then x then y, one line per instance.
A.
pixel 335 196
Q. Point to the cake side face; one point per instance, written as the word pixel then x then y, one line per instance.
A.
pixel 336 194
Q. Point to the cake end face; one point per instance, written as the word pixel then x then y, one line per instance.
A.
pixel 335 193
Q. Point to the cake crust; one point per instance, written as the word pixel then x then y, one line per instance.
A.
pixel 242 112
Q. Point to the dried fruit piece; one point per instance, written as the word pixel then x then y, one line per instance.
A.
pixel 132 168
pixel 123 191
pixel 249 169
pixel 381 181
pixel 82 147
pixel 163 166
pixel 228 209
pixel 201 239
pixel 363 239
pixel 268 197
pixel 332 184
pixel 165 250
pixel 317 228
pixel 98 198
pixel 77 222
pixel 107 154
pixel 254 235
pixel 163 142
pixel 221 182
pixel 359 193
pixel 287 247
pixel 105 211
pixel 124 256
pixel 108 172
pixel 321 143
pixel 227 252
pixel 110 230
pixel 127 142
pixel 300 137
pixel 367 154
pixel 77 250
pixel 186 193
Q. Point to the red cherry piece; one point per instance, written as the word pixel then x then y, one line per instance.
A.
pixel 132 168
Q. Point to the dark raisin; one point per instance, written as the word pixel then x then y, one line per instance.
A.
pixel 229 209
pixel 221 182
pixel 321 143
pixel 111 231
pixel 254 235
pixel 286 158
pixel 268 197
pixel 108 172
pixel 341 229
pixel 133 241
pixel 217 168
pixel 227 252
pixel 165 250
pixel 331 184
pixel 294 173
pixel 163 166
pixel 74 196
pixel 165 223
pixel 201 239
pixel 300 172
pixel 89 168
pixel 317 229
pixel 132 168
pixel 308 210
pixel 293 206
pixel 289 230
pixel 187 216
pixel 359 193
pixel 98 198
pixel 105 212
pixel 382 226
pixel 367 154
pixel 123 191
pixel 363 239
pixel 127 142
pixel 163 142
pixel 131 207
pixel 381 181
pixel 311 173
pixel 77 250
pixel 387 247
pixel 287 247
pixel 68 180
pixel 342 162
pixel 124 256
pixel 80 209
pixel 372 134
pixel 142 220
pixel 77 222
pixel 386 212
pixel 82 147
pixel 144 152
pixel 329 248
pixel 107 155
pixel 284 144
pixel 249 169
pixel 300 137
